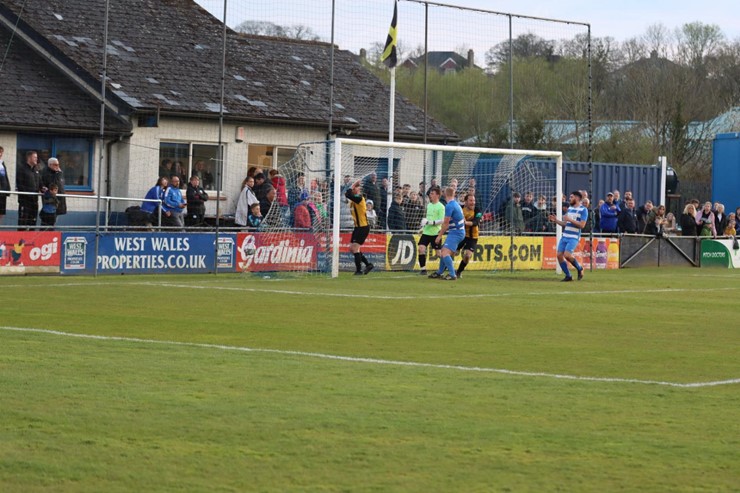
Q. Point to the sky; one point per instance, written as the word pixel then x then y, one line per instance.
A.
pixel 364 22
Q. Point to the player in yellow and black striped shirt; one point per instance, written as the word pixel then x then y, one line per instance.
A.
pixel 358 209
pixel 472 215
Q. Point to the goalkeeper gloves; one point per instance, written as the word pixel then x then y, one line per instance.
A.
pixel 424 222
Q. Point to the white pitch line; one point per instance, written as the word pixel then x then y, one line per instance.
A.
pixel 442 295
pixel 374 361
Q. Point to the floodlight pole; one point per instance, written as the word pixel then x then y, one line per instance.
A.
pixel 102 138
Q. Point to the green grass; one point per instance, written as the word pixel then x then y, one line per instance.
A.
pixel 83 414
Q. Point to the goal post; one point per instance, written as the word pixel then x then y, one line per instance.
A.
pixel 321 172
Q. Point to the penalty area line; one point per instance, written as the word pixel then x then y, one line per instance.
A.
pixel 375 361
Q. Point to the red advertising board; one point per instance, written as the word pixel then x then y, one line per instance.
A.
pixel 375 243
pixel 27 252
pixel 260 252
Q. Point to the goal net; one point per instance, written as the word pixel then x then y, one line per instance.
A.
pixel 309 225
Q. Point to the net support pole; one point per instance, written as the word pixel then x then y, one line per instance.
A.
pixel 336 216
pixel 663 162
pixel 558 208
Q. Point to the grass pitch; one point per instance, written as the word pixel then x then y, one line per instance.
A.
pixel 629 380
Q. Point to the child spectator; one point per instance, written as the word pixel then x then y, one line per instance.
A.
pixel 730 229
pixel 50 202
pixel 254 219
pixel 372 216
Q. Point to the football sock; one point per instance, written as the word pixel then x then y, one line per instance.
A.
pixel 363 259
pixel 358 261
pixel 449 265
pixel 423 260
pixel 576 264
pixel 564 266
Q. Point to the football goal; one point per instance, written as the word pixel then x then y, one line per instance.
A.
pixel 312 211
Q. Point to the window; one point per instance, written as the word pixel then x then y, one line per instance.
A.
pixel 188 159
pixel 268 157
pixel 74 154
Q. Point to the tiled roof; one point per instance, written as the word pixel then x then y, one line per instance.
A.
pixel 34 96
pixel 167 54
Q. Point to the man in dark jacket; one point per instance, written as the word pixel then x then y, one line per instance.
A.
pixel 53 174
pixel 396 217
pixel 627 219
pixel 196 198
pixel 27 179
pixel 4 185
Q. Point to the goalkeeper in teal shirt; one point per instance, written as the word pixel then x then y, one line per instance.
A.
pixel 431 225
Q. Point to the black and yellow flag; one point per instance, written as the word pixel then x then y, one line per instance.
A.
pixel 389 52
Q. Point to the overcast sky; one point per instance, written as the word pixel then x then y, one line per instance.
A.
pixel 364 22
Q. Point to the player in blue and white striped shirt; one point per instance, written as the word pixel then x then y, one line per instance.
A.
pixel 573 222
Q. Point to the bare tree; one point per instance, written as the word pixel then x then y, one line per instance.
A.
pixel 697 41
pixel 264 28
pixel 633 49
pixel 658 40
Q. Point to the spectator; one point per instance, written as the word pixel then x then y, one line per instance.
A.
pixel 245 202
pixel 382 208
pixel 656 221
pixel 705 221
pixel 278 181
pixel 608 213
pixel 596 213
pixel 173 204
pixel 267 199
pixel 730 228
pixel 370 188
pixel 254 218
pixel 396 217
pixel 165 168
pixel 179 169
pixel 155 193
pixel 617 199
pixel 585 202
pixel 50 203
pixel 720 218
pixel 413 211
pixel 669 224
pixel 4 186
pixel 27 179
pixel 295 192
pixel 205 176
pixel 433 184
pixel 528 209
pixel 627 219
pixel 422 193
pixel 301 215
pixel 539 222
pixel 513 213
pixel 688 220
pixel 643 216
pixel 197 198
pixel 53 174
pixel 372 216
pixel 260 186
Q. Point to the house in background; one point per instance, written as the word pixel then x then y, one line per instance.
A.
pixel 445 62
pixel 163 93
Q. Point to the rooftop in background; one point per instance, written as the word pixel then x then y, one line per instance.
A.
pixel 166 55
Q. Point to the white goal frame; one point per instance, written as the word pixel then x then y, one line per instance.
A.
pixel 391 146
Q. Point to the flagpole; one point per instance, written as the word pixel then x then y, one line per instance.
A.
pixel 391 136
pixel 390 58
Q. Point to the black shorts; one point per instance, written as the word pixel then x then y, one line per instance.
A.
pixel 468 244
pixel 426 240
pixel 359 234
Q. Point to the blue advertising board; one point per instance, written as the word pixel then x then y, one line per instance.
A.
pixel 147 253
